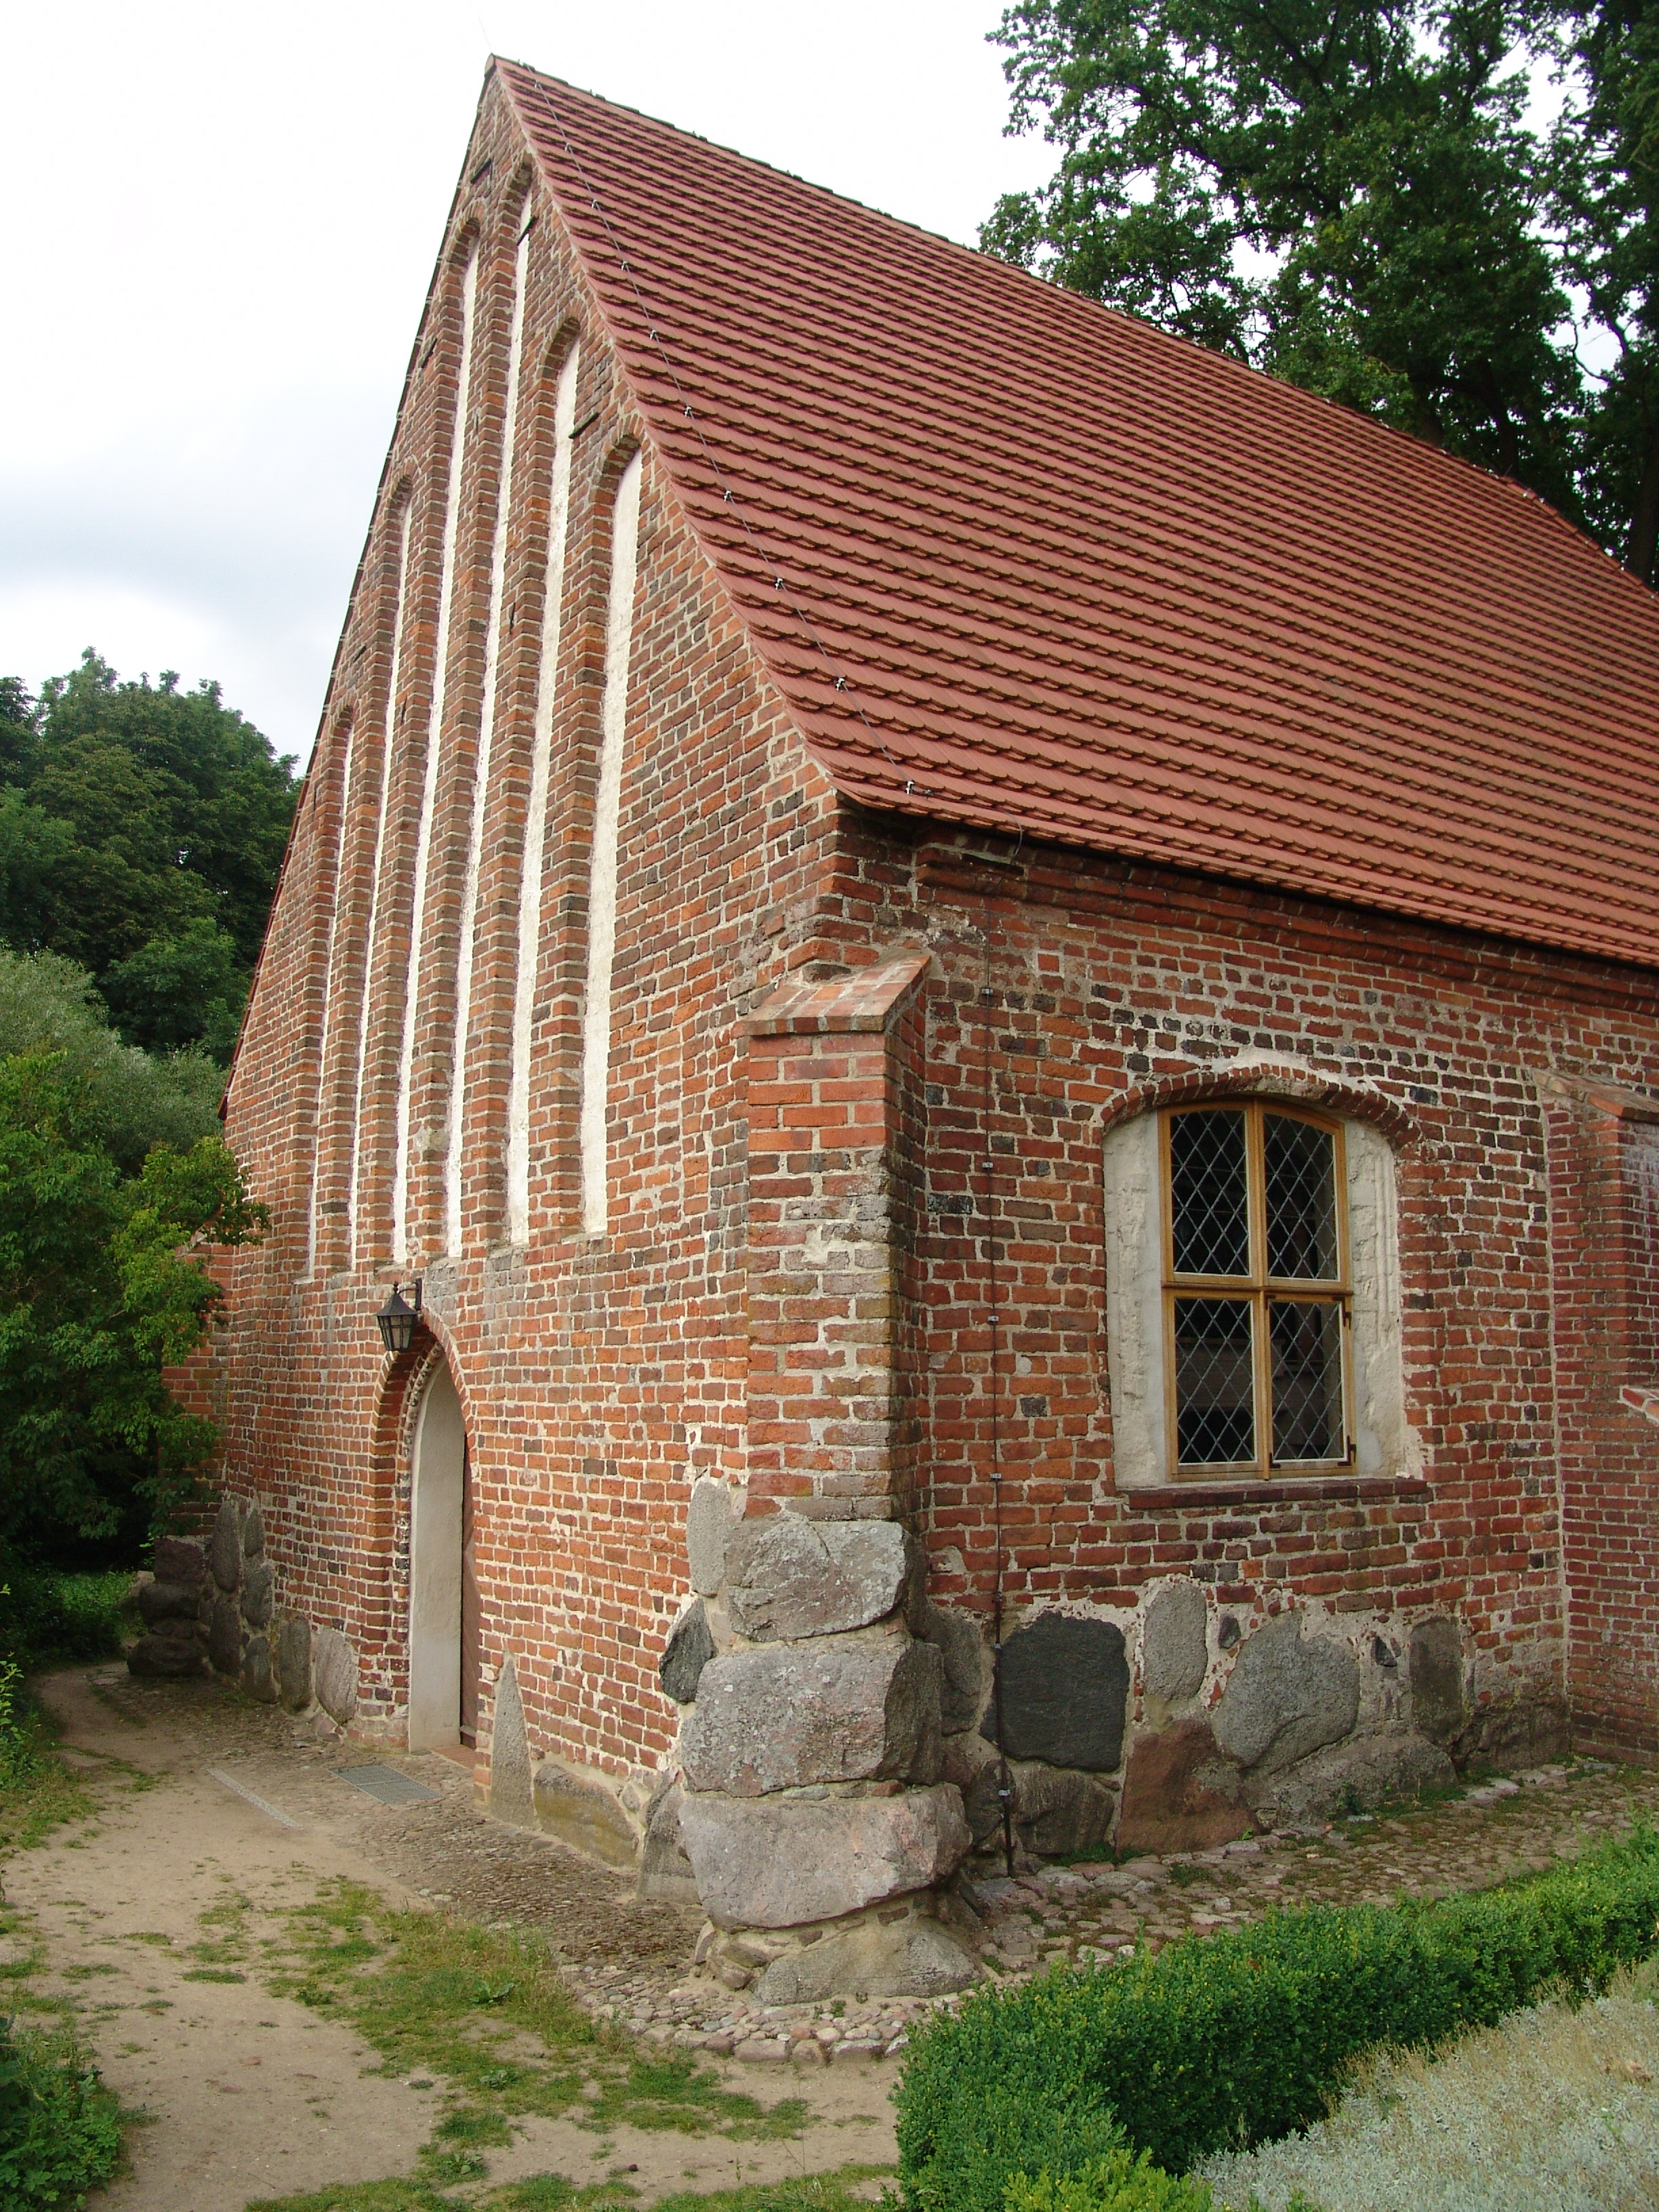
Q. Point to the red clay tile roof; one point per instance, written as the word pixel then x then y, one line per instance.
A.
pixel 1019 562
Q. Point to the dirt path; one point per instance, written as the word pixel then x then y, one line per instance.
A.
pixel 251 2094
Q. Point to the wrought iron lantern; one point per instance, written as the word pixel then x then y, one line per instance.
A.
pixel 396 1319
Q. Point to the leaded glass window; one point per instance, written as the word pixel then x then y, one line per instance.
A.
pixel 1257 1292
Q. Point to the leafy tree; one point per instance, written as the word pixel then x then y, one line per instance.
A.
pixel 103 1285
pixel 1344 195
pixel 1605 199
pixel 142 829
pixel 136 1100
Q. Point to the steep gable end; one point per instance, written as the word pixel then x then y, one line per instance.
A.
pixel 1020 563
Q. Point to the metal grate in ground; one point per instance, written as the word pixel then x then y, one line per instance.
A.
pixel 386 1784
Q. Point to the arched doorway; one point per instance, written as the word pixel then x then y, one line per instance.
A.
pixel 443 1599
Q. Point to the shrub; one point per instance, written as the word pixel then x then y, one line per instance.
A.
pixel 1240 2037
pixel 1120 2182
pixel 60 2128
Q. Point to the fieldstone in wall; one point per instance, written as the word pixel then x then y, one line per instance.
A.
pixel 259 1590
pixel 225 1635
pixel 254 1534
pixel 1174 1649
pixel 294 1662
pixel 665 1876
pixel 1057 1810
pixel 166 1602
pixel 1439 1699
pixel 336 1676
pixel 786 1577
pixel 916 1959
pixel 688 1651
pixel 256 1670
pixel 709 1526
pixel 225 1552
pixel 583 1814
pixel 788 1716
pixel 957 1639
pixel 1288 1694
pixel 777 1863
pixel 1065 1684
pixel 165 1658
pixel 1523 1732
pixel 177 1561
pixel 512 1784
pixel 1181 1793
pixel 1351 1777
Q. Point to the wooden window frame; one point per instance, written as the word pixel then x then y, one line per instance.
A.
pixel 1258 1289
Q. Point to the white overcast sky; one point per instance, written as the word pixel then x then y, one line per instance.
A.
pixel 220 224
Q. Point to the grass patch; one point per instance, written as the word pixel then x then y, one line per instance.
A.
pixel 213 1974
pixel 555 2192
pixel 489 2010
pixel 38 1793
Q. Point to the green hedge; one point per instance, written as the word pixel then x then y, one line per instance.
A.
pixel 1243 2036
pixel 1116 2183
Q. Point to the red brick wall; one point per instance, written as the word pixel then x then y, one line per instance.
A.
pixel 710 1330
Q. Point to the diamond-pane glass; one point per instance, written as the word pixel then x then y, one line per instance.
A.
pixel 1215 1382
pixel 1300 1165
pixel 1306 1356
pixel 1209 1195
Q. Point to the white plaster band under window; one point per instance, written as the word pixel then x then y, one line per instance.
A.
pixel 535 829
pixel 1146 1276
pixel 458 450
pixel 493 615
pixel 602 884
pixel 404 541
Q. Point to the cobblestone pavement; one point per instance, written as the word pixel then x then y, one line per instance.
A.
pixel 633 1963
pixel 1090 1914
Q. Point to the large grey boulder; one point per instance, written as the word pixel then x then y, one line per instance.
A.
pixel 294 1662
pixel 160 1602
pixel 1174 1647
pixel 254 1534
pixel 1065 1684
pixel 957 1639
pixel 178 1561
pixel 256 1670
pixel 688 1651
pixel 225 1549
pixel 225 1635
pixel 259 1590
pixel 786 1577
pixel 584 1814
pixel 915 1959
pixel 1350 1777
pixel 1439 1700
pixel 785 1716
pixel 336 1676
pixel 1057 1810
pixel 1288 1695
pixel 665 1876
pixel 709 1526
pixel 511 1786
pixel 165 1658
pixel 779 1861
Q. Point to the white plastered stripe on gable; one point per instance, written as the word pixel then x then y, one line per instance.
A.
pixel 602 887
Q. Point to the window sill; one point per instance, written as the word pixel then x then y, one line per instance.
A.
pixel 1256 1489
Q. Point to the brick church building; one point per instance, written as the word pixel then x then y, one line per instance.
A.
pixel 1001 982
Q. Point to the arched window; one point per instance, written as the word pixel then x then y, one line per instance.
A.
pixel 1253 1295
